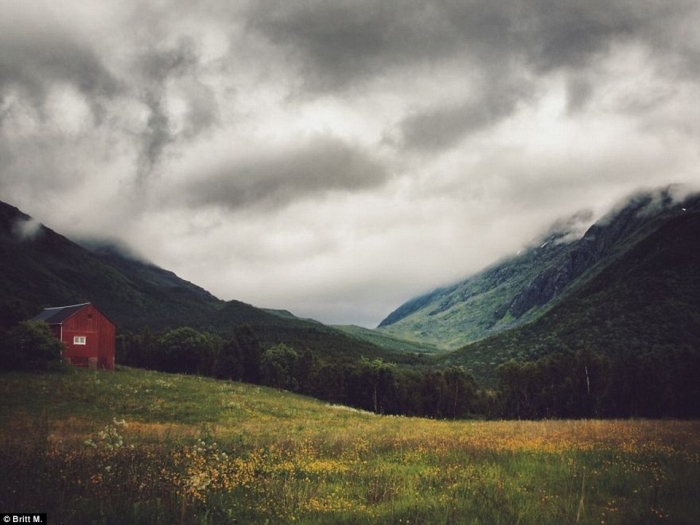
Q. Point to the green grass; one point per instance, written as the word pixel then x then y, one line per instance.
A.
pixel 144 447
pixel 388 341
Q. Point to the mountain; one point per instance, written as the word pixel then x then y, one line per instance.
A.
pixel 643 308
pixel 387 341
pixel 41 268
pixel 520 289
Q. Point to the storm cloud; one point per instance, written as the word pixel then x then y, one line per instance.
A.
pixel 279 177
pixel 336 158
pixel 32 64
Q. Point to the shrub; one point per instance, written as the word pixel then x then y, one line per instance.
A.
pixel 30 346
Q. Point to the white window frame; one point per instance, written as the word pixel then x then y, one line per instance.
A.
pixel 79 340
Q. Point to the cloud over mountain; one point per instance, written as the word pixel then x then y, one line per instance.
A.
pixel 426 137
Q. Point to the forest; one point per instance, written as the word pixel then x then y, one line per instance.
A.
pixel 652 382
pixel 660 383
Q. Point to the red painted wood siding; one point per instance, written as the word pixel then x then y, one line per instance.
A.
pixel 99 333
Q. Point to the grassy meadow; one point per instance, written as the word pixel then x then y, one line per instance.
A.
pixel 143 447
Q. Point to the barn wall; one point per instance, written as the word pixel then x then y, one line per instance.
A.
pixel 99 332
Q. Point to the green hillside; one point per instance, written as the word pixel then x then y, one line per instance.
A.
pixel 450 317
pixel 644 303
pixel 388 341
pixel 518 290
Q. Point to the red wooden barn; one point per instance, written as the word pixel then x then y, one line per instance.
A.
pixel 86 332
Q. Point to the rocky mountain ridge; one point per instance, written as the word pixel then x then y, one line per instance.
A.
pixel 518 290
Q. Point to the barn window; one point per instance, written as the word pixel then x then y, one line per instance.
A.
pixel 79 340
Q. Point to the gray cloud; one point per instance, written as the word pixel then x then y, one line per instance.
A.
pixel 158 67
pixel 311 169
pixel 571 34
pixel 156 136
pixel 39 56
pixel 342 46
pixel 445 125
pixel 32 62
pixel 347 42
pixel 337 43
pixel 404 142
pixel 579 90
pixel 27 229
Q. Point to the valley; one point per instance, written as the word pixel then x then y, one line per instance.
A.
pixel 594 321
pixel 570 395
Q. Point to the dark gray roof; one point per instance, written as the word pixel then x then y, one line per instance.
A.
pixel 58 314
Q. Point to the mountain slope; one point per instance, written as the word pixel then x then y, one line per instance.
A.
pixel 518 290
pixel 645 302
pixel 41 268
pixel 45 268
pixel 387 341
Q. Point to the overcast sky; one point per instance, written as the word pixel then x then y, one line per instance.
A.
pixel 335 157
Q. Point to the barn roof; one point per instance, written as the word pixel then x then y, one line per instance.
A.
pixel 58 314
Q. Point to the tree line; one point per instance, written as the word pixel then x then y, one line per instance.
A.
pixel 368 384
pixel 663 382
pixel 566 384
pixel 658 382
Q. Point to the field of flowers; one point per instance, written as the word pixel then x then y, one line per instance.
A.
pixel 144 447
